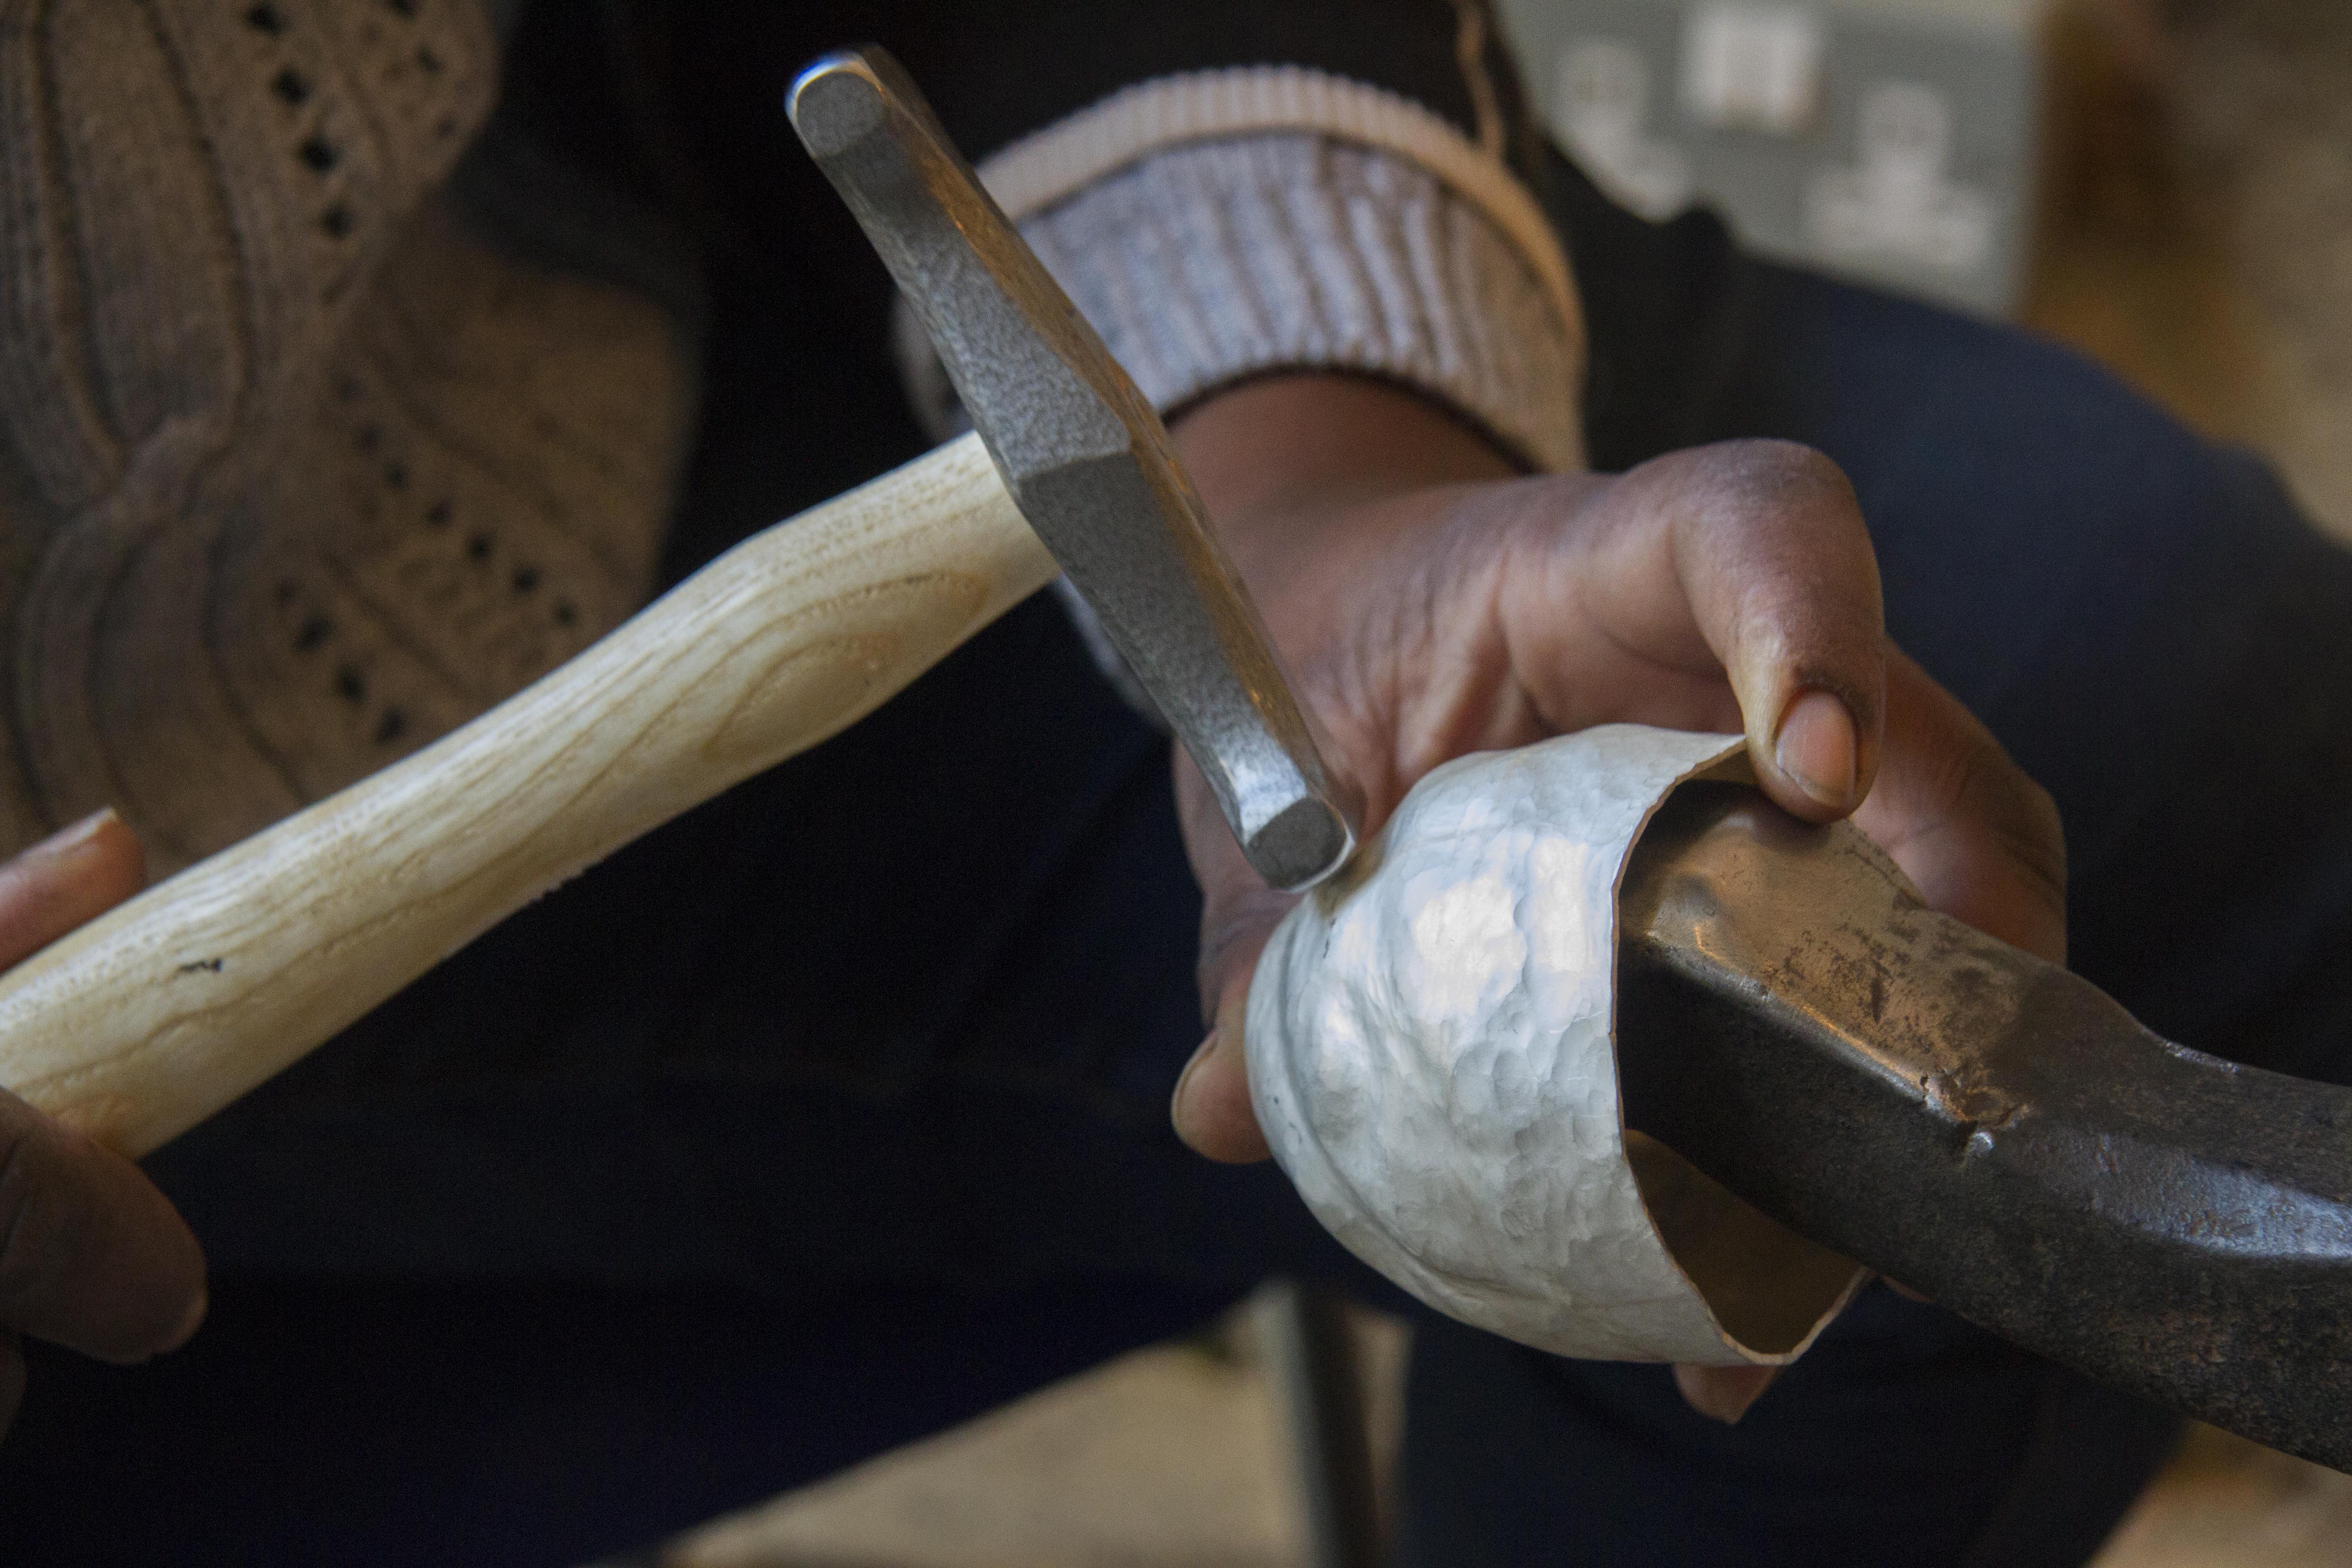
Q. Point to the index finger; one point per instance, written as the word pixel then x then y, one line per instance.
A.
pixel 1731 584
pixel 92 1256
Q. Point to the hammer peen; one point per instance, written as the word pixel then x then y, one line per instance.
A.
pixel 2011 1140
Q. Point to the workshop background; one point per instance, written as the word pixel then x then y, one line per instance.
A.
pixel 2166 185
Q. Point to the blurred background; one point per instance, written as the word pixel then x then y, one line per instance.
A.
pixel 2164 184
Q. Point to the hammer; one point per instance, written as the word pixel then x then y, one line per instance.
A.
pixel 2175 1224
pixel 148 1020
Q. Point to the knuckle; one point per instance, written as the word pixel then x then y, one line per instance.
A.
pixel 1784 521
pixel 1758 468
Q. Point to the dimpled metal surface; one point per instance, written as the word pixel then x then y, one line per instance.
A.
pixel 1430 1041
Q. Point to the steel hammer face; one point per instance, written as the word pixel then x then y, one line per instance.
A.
pixel 1086 459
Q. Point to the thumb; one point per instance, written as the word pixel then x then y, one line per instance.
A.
pixel 65 880
pixel 1238 913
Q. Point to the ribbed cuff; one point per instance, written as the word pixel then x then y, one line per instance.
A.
pixel 1221 225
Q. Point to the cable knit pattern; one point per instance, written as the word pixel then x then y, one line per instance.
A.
pixel 294 472
pixel 1214 261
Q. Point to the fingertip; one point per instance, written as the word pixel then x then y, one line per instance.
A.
pixel 194 1319
pixel 115 846
pixel 1181 1110
pixel 73 876
pixel 1817 756
pixel 101 848
pixel 1722 1393
pixel 1211 1108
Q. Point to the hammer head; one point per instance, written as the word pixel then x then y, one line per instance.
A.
pixel 1086 458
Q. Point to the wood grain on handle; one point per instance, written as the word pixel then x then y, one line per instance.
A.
pixel 148 1020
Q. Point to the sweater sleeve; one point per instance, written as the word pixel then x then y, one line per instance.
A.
pixel 1227 189
pixel 1223 223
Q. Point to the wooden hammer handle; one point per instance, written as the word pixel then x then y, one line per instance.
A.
pixel 148 1020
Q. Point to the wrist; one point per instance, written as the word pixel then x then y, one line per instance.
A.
pixel 1275 458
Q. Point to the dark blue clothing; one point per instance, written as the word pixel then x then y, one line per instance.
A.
pixel 2153 632
pixel 835 1111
